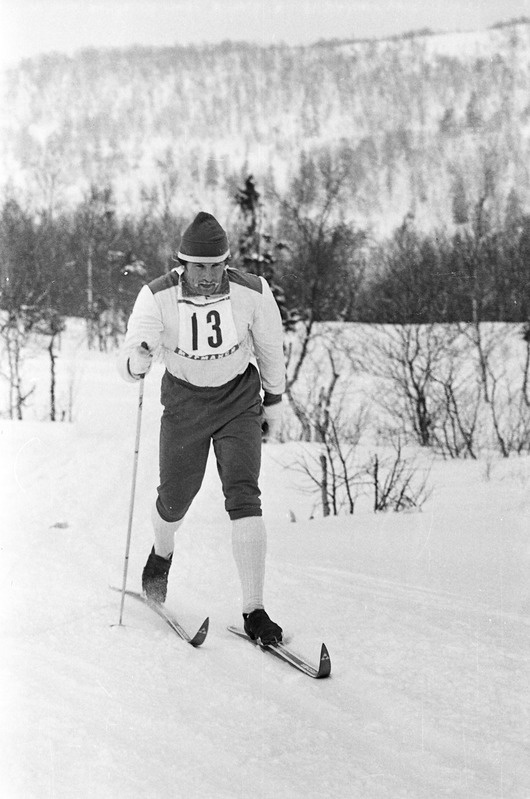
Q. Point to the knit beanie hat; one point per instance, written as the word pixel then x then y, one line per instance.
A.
pixel 204 241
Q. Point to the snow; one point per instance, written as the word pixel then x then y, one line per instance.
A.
pixel 426 617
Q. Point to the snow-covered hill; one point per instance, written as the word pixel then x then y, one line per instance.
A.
pixel 426 617
pixel 412 116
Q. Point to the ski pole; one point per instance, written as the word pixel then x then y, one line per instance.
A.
pixel 133 490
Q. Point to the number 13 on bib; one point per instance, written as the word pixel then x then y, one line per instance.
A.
pixel 206 330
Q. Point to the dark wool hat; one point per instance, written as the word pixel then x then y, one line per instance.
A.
pixel 204 241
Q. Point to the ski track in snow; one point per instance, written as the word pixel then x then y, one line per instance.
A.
pixel 425 616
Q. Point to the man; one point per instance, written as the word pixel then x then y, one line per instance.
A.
pixel 212 324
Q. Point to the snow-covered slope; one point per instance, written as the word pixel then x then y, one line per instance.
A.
pixel 426 617
pixel 412 117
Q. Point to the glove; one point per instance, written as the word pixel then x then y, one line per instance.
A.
pixel 140 360
pixel 271 419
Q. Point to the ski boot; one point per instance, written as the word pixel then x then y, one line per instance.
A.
pixel 258 625
pixel 154 577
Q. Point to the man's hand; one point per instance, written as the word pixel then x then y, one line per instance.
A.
pixel 271 420
pixel 140 360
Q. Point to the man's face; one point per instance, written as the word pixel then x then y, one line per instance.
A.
pixel 204 278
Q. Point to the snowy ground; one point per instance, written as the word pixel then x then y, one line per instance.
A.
pixel 426 617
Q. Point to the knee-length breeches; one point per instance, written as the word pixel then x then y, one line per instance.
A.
pixel 193 416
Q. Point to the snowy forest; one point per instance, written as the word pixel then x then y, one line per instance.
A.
pixel 385 181
pixel 429 125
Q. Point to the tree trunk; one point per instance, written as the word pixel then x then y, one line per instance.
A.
pixel 324 485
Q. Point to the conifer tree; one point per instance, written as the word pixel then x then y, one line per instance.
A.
pixel 257 251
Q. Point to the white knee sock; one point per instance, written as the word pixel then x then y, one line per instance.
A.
pixel 249 545
pixel 164 534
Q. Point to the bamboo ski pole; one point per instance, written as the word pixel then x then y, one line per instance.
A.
pixel 133 492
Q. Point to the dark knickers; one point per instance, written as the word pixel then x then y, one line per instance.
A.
pixel 228 415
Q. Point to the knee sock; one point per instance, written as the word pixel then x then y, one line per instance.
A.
pixel 249 545
pixel 164 534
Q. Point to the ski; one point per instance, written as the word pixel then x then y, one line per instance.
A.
pixel 286 654
pixel 195 640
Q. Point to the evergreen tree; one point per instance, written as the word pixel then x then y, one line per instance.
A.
pixel 257 251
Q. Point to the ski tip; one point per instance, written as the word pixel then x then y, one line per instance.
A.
pixel 324 669
pixel 201 633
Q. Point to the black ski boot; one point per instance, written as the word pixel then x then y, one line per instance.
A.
pixel 258 625
pixel 154 577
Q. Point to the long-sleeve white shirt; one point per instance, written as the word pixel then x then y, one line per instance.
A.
pixel 207 341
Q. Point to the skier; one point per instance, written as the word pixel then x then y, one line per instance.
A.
pixel 213 325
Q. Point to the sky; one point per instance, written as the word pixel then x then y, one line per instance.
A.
pixel 32 27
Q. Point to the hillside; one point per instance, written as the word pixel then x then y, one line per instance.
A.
pixel 421 119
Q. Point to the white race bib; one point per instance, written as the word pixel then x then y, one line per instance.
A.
pixel 206 327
